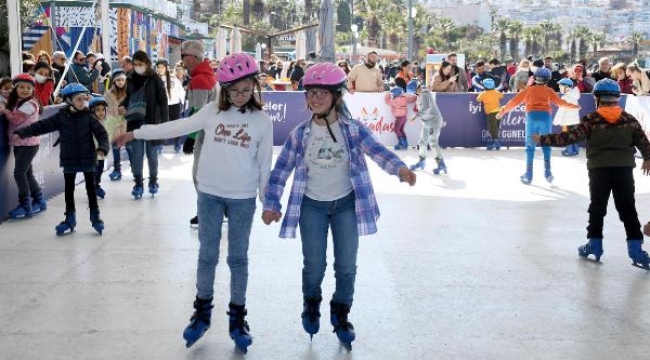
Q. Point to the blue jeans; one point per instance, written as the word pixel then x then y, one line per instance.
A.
pixel 537 122
pixel 240 214
pixel 316 217
pixel 138 148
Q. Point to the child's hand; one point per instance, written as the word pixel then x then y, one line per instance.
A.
pixel 536 138
pixel 15 137
pixel 407 175
pixel 645 167
pixel 646 229
pixel 121 110
pixel 269 216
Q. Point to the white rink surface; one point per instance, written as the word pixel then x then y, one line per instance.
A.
pixel 473 265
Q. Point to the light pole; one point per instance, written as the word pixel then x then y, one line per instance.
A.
pixel 412 11
pixel 355 29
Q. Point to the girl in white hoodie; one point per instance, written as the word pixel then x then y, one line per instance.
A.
pixel 566 117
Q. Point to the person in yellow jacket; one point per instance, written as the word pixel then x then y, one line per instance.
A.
pixel 491 100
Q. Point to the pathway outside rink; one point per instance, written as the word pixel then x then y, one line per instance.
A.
pixel 473 265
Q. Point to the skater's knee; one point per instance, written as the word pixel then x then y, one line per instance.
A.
pixel 237 261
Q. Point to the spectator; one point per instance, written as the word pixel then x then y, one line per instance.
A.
pixel 405 72
pixel 345 66
pixel 481 74
pixel 127 65
pixel 462 79
pixel 44 56
pixel 297 74
pixel 580 80
pixel 44 83
pixel 264 82
pixel 443 80
pixel 618 73
pixel 145 90
pixel 175 95
pixel 499 74
pixel 366 77
pixel 276 70
pixel 519 81
pixel 640 78
pixel 292 64
pixel 58 63
pixel 555 74
pixel 78 73
pixel 604 70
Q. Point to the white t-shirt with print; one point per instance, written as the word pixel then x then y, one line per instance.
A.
pixel 328 163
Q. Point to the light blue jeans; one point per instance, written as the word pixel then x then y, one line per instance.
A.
pixel 138 150
pixel 316 217
pixel 240 214
pixel 537 122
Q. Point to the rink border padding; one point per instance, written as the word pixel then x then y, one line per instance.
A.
pixel 464 126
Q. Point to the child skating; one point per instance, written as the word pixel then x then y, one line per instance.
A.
pixel 98 106
pixel 23 109
pixel 491 100
pixel 612 136
pixel 331 188
pixel 567 117
pixel 431 119
pixel 538 99
pixel 78 129
pixel 398 101
pixel 235 164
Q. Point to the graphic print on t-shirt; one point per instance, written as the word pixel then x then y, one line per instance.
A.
pixel 325 152
pixel 232 134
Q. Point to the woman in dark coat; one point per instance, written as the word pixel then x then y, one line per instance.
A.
pixel 145 92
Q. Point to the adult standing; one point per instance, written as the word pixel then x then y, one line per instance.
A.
pixel 405 72
pixel 201 90
pixel 127 65
pixel 604 70
pixel 58 63
pixel 78 72
pixel 297 75
pixel 443 80
pixel 556 76
pixel 366 77
pixel 619 74
pixel 640 78
pixel 463 83
pixel 146 103
pixel 175 95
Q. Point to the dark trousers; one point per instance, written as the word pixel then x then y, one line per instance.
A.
pixel 89 178
pixel 23 172
pixel 620 182
pixel 493 125
pixel 99 170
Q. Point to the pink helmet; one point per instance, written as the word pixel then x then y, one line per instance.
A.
pixel 324 75
pixel 237 67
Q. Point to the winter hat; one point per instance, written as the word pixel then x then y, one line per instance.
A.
pixel 538 63
pixel 194 48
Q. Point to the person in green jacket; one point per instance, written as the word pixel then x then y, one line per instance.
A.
pixel 611 135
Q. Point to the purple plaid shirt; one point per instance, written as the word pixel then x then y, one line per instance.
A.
pixel 359 141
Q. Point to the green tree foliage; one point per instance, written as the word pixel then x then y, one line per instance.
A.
pixel 28 14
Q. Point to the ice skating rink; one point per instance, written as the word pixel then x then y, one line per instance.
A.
pixel 472 265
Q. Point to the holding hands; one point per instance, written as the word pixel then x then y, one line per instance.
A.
pixel 122 139
pixel 269 216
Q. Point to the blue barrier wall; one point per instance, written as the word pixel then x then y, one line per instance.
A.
pixel 463 116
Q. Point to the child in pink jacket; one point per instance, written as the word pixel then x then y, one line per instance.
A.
pixel 398 101
pixel 23 109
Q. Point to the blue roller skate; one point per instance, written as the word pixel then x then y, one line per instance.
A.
pixel 441 169
pixel 116 175
pixel 639 257
pixel 593 247
pixel 311 315
pixel 39 204
pixel 97 222
pixel 153 187
pixel 199 322
pixel 137 190
pixel 68 224
pixel 419 165
pixel 527 178
pixel 342 327
pixel 239 329
pixel 23 210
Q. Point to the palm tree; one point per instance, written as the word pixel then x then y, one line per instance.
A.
pixel 493 16
pixel 582 33
pixel 528 41
pixel 371 11
pixel 636 38
pixel 503 26
pixel 515 31
pixel 446 25
pixel 393 26
pixel 596 40
pixel 535 35
pixel 548 29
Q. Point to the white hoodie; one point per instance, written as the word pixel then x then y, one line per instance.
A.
pixel 237 150
pixel 566 116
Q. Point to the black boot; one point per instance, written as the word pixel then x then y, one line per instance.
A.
pixel 199 322
pixel 342 327
pixel 239 329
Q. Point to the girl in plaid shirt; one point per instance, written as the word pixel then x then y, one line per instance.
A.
pixel 331 187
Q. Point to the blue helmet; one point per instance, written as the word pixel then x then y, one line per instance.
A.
pixel 488 84
pixel 607 88
pixel 73 89
pixel 566 82
pixel 396 91
pixel 97 100
pixel 412 87
pixel 542 75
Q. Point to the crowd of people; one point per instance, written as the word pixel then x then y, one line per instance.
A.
pixel 135 106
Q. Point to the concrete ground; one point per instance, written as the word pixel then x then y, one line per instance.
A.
pixel 472 265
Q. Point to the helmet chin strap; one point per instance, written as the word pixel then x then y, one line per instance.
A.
pixel 327 123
